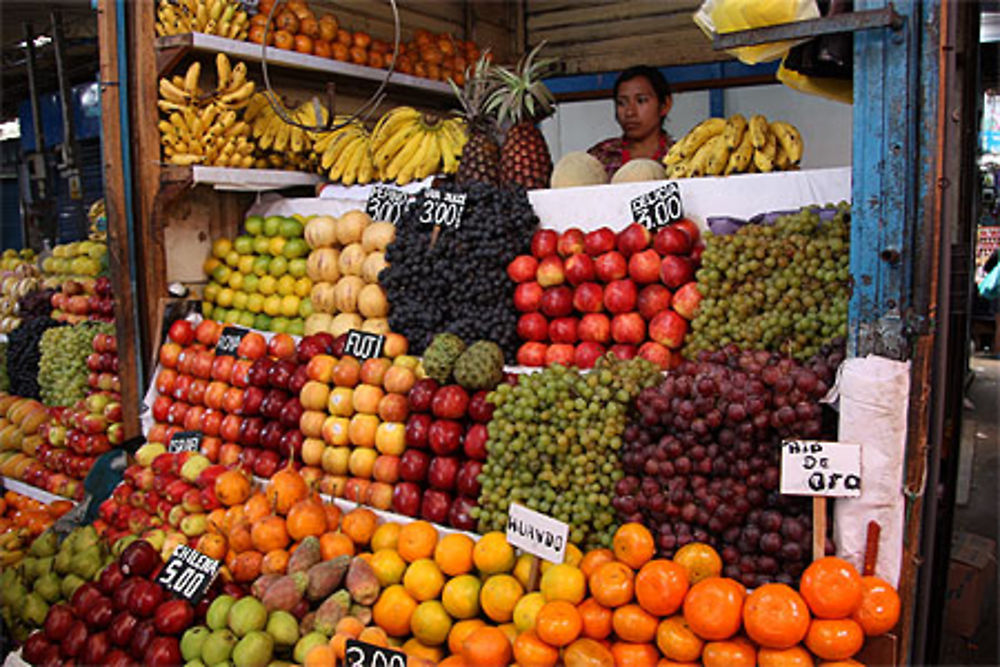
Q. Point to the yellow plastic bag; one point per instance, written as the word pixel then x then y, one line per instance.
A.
pixel 722 16
pixel 838 90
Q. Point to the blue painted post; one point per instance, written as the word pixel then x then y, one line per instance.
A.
pixel 717 103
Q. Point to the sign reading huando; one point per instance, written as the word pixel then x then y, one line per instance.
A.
pixel 536 533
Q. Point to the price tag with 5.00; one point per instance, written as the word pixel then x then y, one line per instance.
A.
pixel 188 573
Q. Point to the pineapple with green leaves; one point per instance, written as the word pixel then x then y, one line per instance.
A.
pixel 481 155
pixel 521 101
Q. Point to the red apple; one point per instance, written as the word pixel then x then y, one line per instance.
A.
pixel 413 465
pixel 544 242
pixel 595 328
pixel 459 515
pixel 445 436
pixel 672 240
pixel 599 241
pixel 173 617
pixel 532 326
pixel 658 354
pixel 435 505
pixel 450 402
pixel 588 298
pixel 623 351
pixel 692 229
pixel 421 394
pixel 652 300
pixel 252 346
pixel 587 353
pixel 611 266
pixel 628 328
pixel 96 646
pixel 58 621
pixel 181 332
pixel 73 642
pixel 563 330
pixel 522 268
pixel 417 429
pixel 561 353
pixel 442 472
pixel 644 267
pixel 162 652
pixel 475 442
pixel 120 630
pixel 620 296
pixel 532 354
pixel 570 242
pixel 406 499
pixel 528 296
pixel 480 409
pixel 676 270
pixel 550 271
pixel 557 301
pixel 668 328
pixel 467 480
pixel 633 239
pixel 686 300
pixel 580 269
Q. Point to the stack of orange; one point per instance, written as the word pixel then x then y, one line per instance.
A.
pixel 33 517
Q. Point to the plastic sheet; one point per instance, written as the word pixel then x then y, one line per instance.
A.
pixel 722 16
pixel 874 396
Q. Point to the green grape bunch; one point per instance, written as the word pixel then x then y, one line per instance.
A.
pixel 62 369
pixel 782 287
pixel 554 445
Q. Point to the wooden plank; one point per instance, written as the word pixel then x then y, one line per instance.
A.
pixel 376 18
pixel 665 23
pixel 606 14
pixel 126 326
pixel 493 11
pixel 536 7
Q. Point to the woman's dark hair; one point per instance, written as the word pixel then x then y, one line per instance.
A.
pixel 651 74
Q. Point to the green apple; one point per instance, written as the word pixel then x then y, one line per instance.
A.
pixel 254 225
pixel 243 244
pixel 261 264
pixel 298 267
pixel 260 244
pixel 278 266
pixel 279 325
pixel 295 247
pixel 272 225
pixel 262 322
pixel 296 327
pixel 246 319
pixel 290 228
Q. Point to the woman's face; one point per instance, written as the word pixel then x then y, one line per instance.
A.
pixel 637 110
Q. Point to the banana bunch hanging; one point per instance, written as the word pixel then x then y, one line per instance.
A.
pixel 408 144
pixel 205 127
pixel 280 144
pixel 346 153
pixel 720 146
pixel 225 18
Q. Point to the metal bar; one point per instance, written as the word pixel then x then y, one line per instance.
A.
pixel 69 137
pixel 36 112
pixel 885 17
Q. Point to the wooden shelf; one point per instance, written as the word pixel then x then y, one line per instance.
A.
pixel 171 48
pixel 40 495
pixel 239 180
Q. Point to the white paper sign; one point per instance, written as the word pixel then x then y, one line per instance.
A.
pixel 815 468
pixel 536 533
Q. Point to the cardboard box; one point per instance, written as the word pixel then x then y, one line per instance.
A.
pixel 972 567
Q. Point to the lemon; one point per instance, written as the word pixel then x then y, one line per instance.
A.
pixel 423 579
pixel 225 297
pixel 272 306
pixel 267 285
pixel 240 300
pixel 232 258
pixel 303 286
pixel 275 245
pixel 235 280
pixel 430 623
pixel 461 596
pixel 221 247
pixel 211 291
pixel 290 305
pixel 526 610
pixel 286 285
pixel 255 303
pixel 245 265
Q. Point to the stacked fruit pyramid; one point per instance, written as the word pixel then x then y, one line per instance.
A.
pixel 259 279
pixel 80 300
pixel 720 147
pixel 630 293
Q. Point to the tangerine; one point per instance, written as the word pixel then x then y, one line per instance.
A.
pixel 526 610
pixel 585 652
pixel 632 623
pixel 386 536
pixel 597 619
pixel 677 641
pixel 393 610
pixel 453 554
pixel 460 596
pixel 416 540
pixel 423 579
pixel 389 567
pixel 564 582
pixel 461 630
pixel 633 545
pixel 701 561
pixel 558 623
pixel 359 525
pixel 831 587
pixel 492 554
pixel 595 558
pixel 834 639
pixel 530 650
pixel 660 586
pixel 796 656
pixel 612 584
pixel 879 609
pixel 498 597
pixel 332 545
pixel 487 646
pixel 775 616
pixel 728 654
pixel 713 608
pixel 627 654
pixel 430 623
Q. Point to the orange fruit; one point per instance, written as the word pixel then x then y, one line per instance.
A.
pixel 416 540
pixel 393 610
pixel 660 587
pixel 461 630
pixel 572 556
pixel 374 635
pixel 460 596
pixel 677 641
pixel 831 587
pixel 841 663
pixel 430 654
pixel 389 567
pixel 487 646
pixel 713 608
pixel 454 660
pixel 632 623
pixel 430 623
pixel 879 609
pixel 321 656
pixel 269 534
pixel 701 561
pixel 349 626
pixel 795 656
pixel 586 652
pixel 564 582
pixel 385 536
pixel 492 554
pixel 633 545
pixel 453 554
pixel 594 558
pixel 627 654
pixel 530 650
pixel 834 639
pixel 499 596
pixel 275 562
pixel 332 545
pixel 612 584
pixel 596 619
pixel 423 579
pixel 558 623
pixel 775 616
pixel 359 525
pixel 728 654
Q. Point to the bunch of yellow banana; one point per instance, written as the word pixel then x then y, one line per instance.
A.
pixel 274 134
pixel 206 128
pixel 346 153
pixel 408 144
pixel 720 146
pixel 225 18
pixel 12 547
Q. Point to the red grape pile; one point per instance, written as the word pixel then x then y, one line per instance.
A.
pixel 702 458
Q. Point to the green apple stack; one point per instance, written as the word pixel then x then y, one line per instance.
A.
pixel 259 279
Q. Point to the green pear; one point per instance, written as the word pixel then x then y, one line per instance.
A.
pixel 217 616
pixel 217 647
pixel 86 563
pixel 69 584
pixel 34 610
pixel 44 545
pixel 248 614
pixel 283 627
pixel 13 594
pixel 86 538
pixel 121 543
pixel 62 561
pixel 192 642
pixel 195 663
pixel 48 587
pixel 306 644
pixel 254 650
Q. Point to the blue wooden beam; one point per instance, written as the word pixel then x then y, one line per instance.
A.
pixel 705 75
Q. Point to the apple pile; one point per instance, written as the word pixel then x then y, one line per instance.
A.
pixel 354 421
pixel 445 451
pixel 165 497
pixel 79 434
pixel 121 619
pixel 102 364
pixel 23 423
pixel 581 295
pixel 80 300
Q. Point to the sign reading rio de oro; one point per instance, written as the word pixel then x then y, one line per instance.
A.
pixel 536 533
pixel 815 468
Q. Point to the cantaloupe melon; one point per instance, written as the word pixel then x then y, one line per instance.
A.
pixel 577 169
pixel 639 169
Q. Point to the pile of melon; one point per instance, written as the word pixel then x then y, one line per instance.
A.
pixel 347 255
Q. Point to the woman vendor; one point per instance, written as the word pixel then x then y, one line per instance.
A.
pixel 642 101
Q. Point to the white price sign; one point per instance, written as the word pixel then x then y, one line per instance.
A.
pixel 816 468
pixel 536 533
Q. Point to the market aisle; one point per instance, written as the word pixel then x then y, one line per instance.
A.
pixel 979 515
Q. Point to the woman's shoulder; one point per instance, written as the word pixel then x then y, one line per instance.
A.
pixel 611 145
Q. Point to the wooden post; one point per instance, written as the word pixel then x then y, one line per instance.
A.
pixel 127 328
pixel 534 574
pixel 819 527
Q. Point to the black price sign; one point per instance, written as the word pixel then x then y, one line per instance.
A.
pixel 229 341
pixel 185 441
pixel 658 208
pixel 363 654
pixel 363 345
pixel 388 204
pixel 442 208
pixel 188 573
